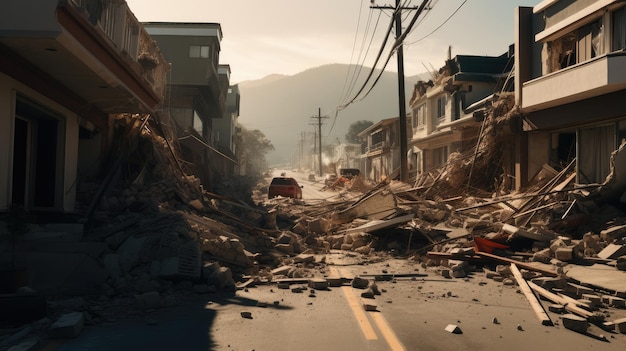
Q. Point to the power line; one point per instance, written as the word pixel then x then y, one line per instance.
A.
pixel 369 76
pixel 397 45
pixel 441 25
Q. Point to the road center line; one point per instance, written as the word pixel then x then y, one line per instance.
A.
pixel 355 306
pixel 388 334
pixel 357 310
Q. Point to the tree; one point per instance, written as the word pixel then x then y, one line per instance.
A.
pixel 253 147
pixel 354 130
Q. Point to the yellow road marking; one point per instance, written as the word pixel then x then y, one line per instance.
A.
pixel 357 309
pixel 388 334
pixel 361 317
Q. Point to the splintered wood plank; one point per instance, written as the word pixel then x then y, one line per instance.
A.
pixel 530 296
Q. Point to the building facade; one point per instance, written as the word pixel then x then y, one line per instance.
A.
pixel 65 68
pixel 442 110
pixel 381 157
pixel 570 69
pixel 196 94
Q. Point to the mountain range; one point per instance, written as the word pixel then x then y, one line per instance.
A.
pixel 285 108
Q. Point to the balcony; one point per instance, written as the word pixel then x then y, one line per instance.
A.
pixel 599 76
pixel 377 148
pixel 97 50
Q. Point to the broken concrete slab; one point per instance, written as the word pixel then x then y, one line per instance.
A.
pixel 69 325
pixel 598 275
pixel 318 284
pixel 620 325
pixel 575 323
pixel 454 329
pixel 376 205
pixel 519 232
pixel 612 251
pixel 611 234
pixel 379 224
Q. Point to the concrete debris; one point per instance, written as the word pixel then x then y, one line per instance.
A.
pixel 151 237
pixel 575 323
pixel 69 325
pixel 454 329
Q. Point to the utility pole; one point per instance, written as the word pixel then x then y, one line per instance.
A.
pixel 404 170
pixel 319 139
pixel 302 145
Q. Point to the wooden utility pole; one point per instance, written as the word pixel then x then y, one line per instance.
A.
pixel 319 139
pixel 404 170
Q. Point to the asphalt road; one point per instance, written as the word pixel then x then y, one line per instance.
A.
pixel 411 313
pixel 312 191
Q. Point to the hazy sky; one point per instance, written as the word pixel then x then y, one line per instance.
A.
pixel 290 36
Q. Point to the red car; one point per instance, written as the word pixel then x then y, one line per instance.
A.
pixel 284 186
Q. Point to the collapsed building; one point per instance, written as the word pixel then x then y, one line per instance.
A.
pixel 149 230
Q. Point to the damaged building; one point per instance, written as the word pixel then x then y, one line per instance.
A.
pixel 67 66
pixel 151 230
pixel 200 99
pixel 570 86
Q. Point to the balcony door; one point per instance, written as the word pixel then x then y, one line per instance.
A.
pixel 37 157
pixel 595 146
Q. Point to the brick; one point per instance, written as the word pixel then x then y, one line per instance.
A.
pixel 575 323
pixel 555 308
pixel 318 284
pixel 617 301
pixel 282 270
pixel 304 259
pixel 565 254
pixel 620 325
pixel 610 234
pixel 608 326
pixel 69 325
pixel 454 329
pixel 594 299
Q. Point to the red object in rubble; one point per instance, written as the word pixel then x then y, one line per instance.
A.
pixel 485 245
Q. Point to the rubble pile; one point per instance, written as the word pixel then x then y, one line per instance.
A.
pixel 153 235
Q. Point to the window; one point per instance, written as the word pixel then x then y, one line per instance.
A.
pixel 578 46
pixel 619 30
pixel 420 116
pixel 198 125
pixel 440 155
pixel 441 106
pixel 197 51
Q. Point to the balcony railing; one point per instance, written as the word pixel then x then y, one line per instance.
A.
pixel 127 35
pixel 377 146
pixel 116 20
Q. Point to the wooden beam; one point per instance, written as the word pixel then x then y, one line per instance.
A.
pixel 519 263
pixel 557 299
pixel 530 296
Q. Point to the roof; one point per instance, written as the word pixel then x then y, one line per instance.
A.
pixel 379 124
pixel 480 64
pixel 192 29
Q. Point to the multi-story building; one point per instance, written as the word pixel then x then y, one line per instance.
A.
pixel 196 91
pixel 381 157
pixel 570 69
pixel 442 119
pixel 65 67
pixel 226 129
